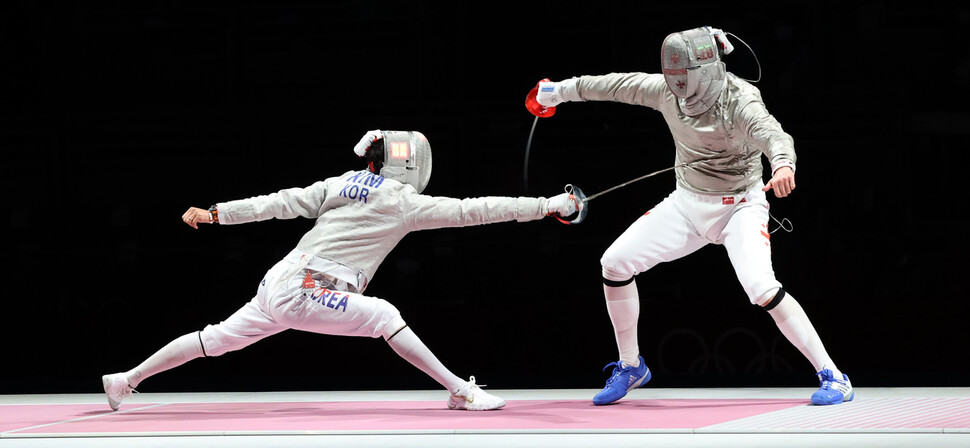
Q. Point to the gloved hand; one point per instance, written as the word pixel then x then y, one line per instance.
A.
pixel 550 94
pixel 564 204
pixel 370 137
pixel 534 106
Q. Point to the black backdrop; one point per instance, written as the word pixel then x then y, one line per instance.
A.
pixel 116 118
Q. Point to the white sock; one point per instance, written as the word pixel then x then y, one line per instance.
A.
pixel 623 305
pixel 407 344
pixel 794 324
pixel 183 349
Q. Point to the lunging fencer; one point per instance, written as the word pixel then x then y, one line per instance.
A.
pixel 720 128
pixel 360 216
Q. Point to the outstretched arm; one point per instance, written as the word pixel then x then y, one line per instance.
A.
pixel 430 212
pixel 285 204
pixel 641 89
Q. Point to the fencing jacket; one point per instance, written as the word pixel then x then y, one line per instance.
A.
pixel 725 143
pixel 361 216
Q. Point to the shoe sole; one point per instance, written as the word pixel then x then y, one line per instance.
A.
pixel 844 400
pixel 464 407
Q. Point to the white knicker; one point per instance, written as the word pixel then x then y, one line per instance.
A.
pixel 282 303
pixel 686 221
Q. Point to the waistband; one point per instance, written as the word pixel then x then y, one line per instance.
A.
pixel 715 198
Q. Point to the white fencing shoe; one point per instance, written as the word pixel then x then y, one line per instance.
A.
pixel 470 396
pixel 116 388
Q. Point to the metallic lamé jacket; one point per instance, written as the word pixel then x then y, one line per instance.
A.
pixel 725 143
pixel 359 217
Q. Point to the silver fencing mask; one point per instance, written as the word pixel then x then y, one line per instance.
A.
pixel 692 66
pixel 404 156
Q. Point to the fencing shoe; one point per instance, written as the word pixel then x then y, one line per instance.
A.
pixel 623 380
pixel 116 388
pixel 831 390
pixel 471 397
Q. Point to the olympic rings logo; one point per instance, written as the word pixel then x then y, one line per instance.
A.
pixel 684 349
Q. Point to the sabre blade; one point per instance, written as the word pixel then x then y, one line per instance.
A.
pixel 594 196
pixel 528 146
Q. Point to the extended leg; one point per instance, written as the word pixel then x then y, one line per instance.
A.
pixel 464 394
pixel 798 329
pixel 749 246
pixel 183 349
pixel 246 326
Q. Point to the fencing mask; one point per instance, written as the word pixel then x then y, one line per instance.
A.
pixel 692 67
pixel 404 156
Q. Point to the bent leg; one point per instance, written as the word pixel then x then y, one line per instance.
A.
pixel 339 313
pixel 748 244
pixel 663 234
pixel 352 314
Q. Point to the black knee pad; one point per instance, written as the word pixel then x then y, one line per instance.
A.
pixel 617 284
pixel 775 300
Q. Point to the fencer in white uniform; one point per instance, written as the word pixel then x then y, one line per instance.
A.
pixel 721 129
pixel 319 287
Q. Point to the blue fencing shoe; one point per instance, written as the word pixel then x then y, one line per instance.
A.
pixel 831 390
pixel 623 380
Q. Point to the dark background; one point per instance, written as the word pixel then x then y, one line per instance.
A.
pixel 115 118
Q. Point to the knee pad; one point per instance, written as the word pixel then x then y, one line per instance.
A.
pixel 617 283
pixel 775 299
pixel 615 271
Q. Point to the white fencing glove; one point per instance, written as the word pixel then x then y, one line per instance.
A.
pixel 370 137
pixel 550 94
pixel 564 204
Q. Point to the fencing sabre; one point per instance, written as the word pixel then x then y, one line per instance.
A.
pixel 580 196
pixel 540 111
pixel 578 192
